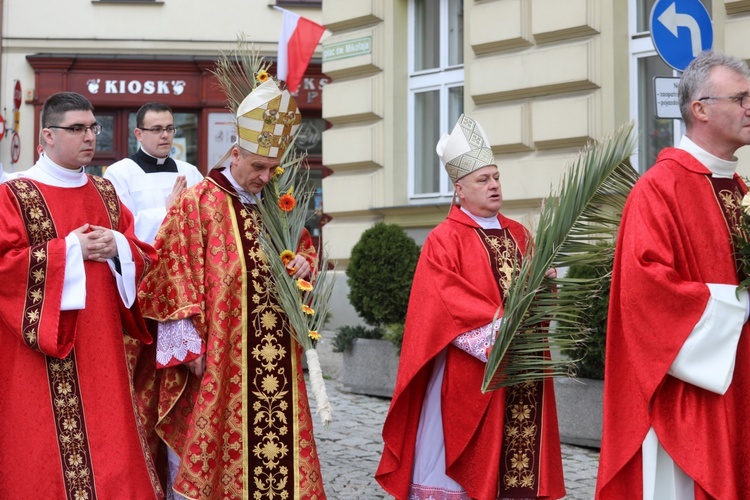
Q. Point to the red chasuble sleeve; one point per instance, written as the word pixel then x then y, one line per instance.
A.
pixel 16 259
pixel 672 241
pixel 174 288
pixel 453 292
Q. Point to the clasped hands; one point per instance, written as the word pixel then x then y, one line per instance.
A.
pixel 97 242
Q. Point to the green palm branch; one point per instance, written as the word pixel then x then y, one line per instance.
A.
pixel 585 211
pixel 237 71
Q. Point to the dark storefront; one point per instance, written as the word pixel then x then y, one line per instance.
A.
pixel 118 85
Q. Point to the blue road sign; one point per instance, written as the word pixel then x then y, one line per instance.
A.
pixel 680 29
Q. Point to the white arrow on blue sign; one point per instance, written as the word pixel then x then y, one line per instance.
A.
pixel 680 29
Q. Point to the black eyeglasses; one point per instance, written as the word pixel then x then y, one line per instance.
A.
pixel 161 130
pixel 95 129
pixel 739 99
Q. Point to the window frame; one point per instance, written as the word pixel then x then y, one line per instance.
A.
pixel 443 78
pixel 640 45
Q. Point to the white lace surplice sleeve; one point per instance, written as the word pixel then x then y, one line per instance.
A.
pixel 175 339
pixel 478 341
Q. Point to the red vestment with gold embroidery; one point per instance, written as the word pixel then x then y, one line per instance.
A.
pixel 69 422
pixel 666 254
pixel 243 430
pixel 456 290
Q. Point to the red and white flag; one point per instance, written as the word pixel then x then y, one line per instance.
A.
pixel 297 41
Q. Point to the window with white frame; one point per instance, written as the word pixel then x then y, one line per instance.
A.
pixel 645 64
pixel 436 90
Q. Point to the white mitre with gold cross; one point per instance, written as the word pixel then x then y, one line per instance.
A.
pixel 466 148
pixel 267 120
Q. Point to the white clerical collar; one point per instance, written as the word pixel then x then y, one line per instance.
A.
pixel 245 196
pixel 48 172
pixel 159 161
pixel 717 166
pixel 484 222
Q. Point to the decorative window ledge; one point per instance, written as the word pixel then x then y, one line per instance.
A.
pixel 128 2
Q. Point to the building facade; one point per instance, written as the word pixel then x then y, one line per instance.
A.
pixel 543 77
pixel 123 53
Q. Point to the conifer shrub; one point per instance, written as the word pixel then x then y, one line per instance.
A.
pixel 593 317
pixel 379 276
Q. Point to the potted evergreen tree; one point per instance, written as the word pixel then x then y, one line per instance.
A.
pixel 579 400
pixel 379 275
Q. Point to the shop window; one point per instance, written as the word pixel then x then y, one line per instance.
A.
pixel 184 145
pixel 436 78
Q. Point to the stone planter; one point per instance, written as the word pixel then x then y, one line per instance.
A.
pixel 370 367
pixel 579 410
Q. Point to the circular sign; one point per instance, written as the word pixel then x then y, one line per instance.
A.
pixel 680 30
pixel 2 127
pixel 17 94
pixel 15 148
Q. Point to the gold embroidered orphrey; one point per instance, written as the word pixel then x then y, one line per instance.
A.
pixel 62 376
pixel 729 198
pixel 519 467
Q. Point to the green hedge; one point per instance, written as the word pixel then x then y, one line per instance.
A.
pixel 380 273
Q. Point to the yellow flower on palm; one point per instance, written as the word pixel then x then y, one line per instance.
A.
pixel 314 335
pixel 307 309
pixel 261 76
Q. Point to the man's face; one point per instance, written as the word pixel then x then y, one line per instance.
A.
pixel 728 122
pixel 157 144
pixel 69 149
pixel 252 171
pixel 480 193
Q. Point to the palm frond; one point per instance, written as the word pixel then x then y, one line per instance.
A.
pixel 237 71
pixel 542 313
pixel 280 231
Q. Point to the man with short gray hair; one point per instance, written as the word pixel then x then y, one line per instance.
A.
pixel 677 373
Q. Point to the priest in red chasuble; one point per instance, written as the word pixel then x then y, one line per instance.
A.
pixel 677 379
pixel 233 406
pixel 70 328
pixel 444 439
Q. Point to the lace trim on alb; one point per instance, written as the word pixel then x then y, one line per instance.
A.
pixel 419 492
pixel 175 339
pixel 477 341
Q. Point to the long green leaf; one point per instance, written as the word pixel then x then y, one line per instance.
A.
pixel 586 209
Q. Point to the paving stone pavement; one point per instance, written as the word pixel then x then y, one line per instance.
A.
pixel 350 448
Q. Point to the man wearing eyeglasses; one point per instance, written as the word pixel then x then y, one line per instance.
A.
pixel 677 380
pixel 150 181
pixel 70 265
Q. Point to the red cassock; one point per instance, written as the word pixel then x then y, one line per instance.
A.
pixel 455 290
pixel 675 237
pixel 69 423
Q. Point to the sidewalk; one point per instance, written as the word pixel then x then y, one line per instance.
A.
pixel 350 448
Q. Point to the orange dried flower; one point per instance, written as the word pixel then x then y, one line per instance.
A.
pixel 287 202
pixel 303 285
pixel 307 310
pixel 314 335
pixel 286 256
